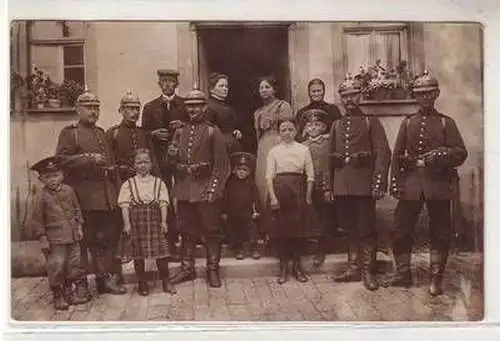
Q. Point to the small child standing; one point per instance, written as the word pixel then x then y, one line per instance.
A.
pixel 323 219
pixel 144 200
pixel 57 221
pixel 242 206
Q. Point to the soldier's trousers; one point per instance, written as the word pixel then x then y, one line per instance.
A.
pixel 63 262
pixel 172 216
pixel 200 220
pixel 405 217
pixel 101 233
pixel 356 216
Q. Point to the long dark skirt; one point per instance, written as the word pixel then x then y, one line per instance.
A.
pixel 291 219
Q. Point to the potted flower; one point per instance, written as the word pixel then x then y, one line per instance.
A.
pixel 69 92
pixel 53 95
pixel 38 83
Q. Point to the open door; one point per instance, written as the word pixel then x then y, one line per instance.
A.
pixel 245 52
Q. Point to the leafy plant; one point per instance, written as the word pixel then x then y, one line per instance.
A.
pixel 69 92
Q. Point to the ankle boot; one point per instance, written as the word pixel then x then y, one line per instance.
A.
pixel 319 257
pixel 77 292
pixel 109 285
pixel 167 286
pixel 187 271
pixel 254 251
pixel 283 274
pixel 352 273
pixel 213 260
pixel 298 271
pixel 140 271
pixel 59 301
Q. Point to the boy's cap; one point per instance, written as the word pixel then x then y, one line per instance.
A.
pixel 313 115
pixel 48 165
pixel 243 159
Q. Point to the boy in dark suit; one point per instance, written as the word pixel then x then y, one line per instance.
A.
pixel 57 220
pixel 241 206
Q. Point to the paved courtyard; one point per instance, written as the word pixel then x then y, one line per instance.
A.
pixel 259 298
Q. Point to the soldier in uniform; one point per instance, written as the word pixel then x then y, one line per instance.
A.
pixel 360 158
pixel 160 118
pixel 89 163
pixel 428 149
pixel 125 138
pixel 199 155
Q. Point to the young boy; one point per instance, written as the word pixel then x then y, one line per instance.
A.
pixel 242 206
pixel 57 220
pixel 313 126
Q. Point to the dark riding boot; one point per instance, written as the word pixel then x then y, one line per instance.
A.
pixel 59 301
pixel 352 274
pixel 140 271
pixel 437 265
pixel 402 276
pixel 187 271
pixel 167 286
pixel 367 264
pixel 213 260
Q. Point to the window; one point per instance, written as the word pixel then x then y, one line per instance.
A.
pixel 366 43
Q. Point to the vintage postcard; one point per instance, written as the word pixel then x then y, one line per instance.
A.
pixel 246 171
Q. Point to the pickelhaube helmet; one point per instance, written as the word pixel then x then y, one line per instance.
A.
pixel 87 98
pixel 349 86
pixel 195 96
pixel 425 83
pixel 130 99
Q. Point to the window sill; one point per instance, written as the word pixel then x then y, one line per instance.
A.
pixel 392 107
pixel 59 111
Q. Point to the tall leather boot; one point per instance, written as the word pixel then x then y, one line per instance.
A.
pixel 352 274
pixel 367 260
pixel 401 277
pixel 438 260
pixel 140 271
pixel 59 301
pixel 213 260
pixel 187 271
pixel 283 257
pixel 162 264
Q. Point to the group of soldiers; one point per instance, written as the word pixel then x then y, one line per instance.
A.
pixel 191 157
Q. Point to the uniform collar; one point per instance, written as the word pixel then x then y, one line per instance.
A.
pixel 428 112
pixel 167 98
pixel 128 124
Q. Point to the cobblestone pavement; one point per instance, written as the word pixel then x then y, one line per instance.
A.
pixel 262 299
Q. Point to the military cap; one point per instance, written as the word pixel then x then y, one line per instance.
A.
pixel 195 96
pixel 243 159
pixel 425 83
pixel 48 165
pixel 130 100
pixel 87 98
pixel 167 73
pixel 349 86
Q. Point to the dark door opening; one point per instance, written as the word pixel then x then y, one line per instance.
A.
pixel 245 53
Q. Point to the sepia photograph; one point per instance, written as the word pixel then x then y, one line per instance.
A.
pixel 326 171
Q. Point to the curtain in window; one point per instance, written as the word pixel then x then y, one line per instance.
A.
pixel 358 52
pixel 49 59
pixel 387 49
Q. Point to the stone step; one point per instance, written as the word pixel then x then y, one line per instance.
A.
pixel 251 268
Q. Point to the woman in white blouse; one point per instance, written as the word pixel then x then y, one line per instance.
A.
pixel 289 178
pixel 144 201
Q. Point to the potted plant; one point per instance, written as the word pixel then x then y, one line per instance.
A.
pixel 53 95
pixel 38 83
pixel 69 92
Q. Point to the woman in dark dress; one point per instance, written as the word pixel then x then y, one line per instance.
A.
pixel 221 114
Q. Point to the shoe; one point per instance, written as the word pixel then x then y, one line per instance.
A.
pixel 110 286
pixel 436 285
pixel 163 269
pixel 79 293
pixel 298 271
pixel 255 254
pixel 213 260
pixel 213 278
pixel 398 279
pixel 368 259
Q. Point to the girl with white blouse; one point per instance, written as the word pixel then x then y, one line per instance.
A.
pixel 289 178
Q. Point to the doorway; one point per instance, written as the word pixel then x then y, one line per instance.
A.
pixel 245 52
